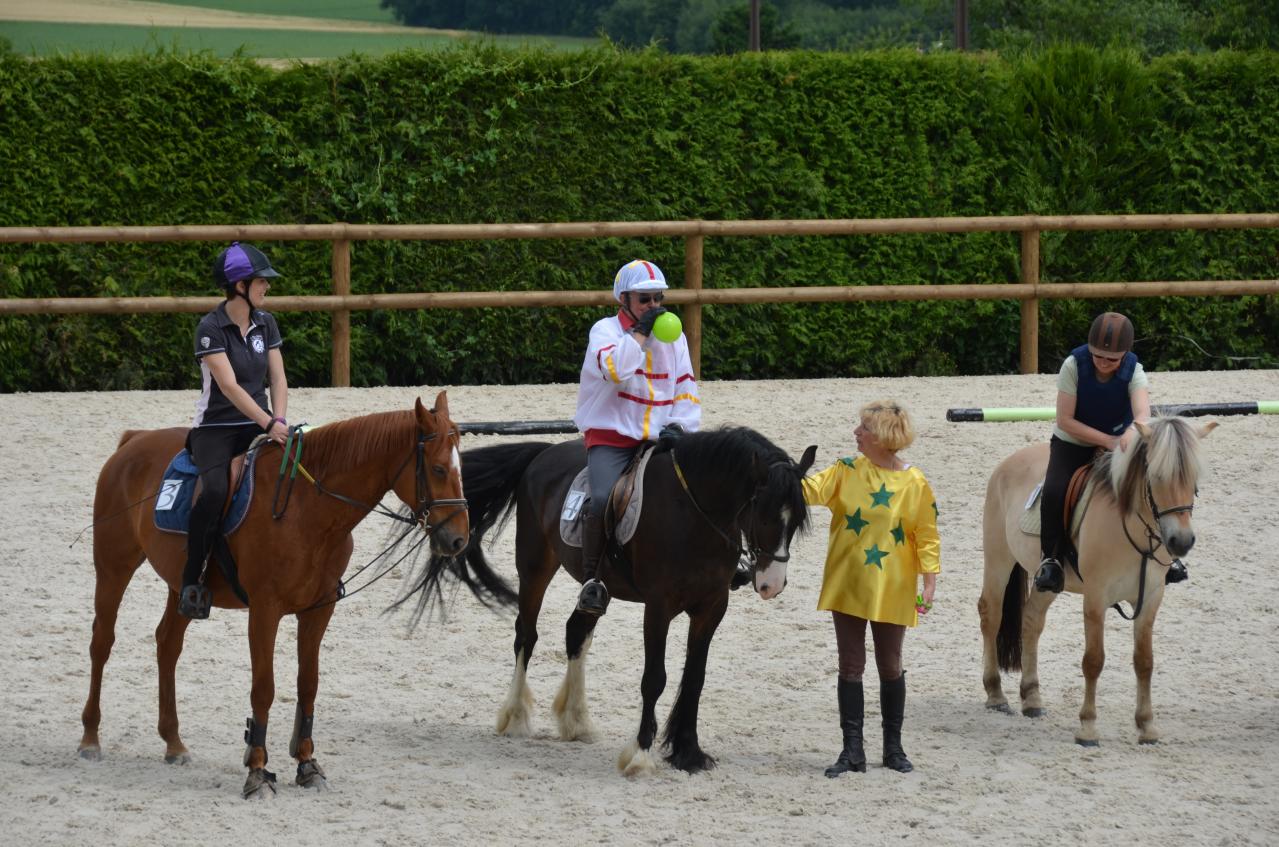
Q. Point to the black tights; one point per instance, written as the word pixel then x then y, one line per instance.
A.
pixel 1064 459
pixel 850 639
pixel 212 449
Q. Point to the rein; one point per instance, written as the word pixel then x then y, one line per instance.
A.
pixel 291 465
pixel 750 554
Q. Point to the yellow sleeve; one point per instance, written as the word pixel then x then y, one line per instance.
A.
pixel 927 539
pixel 822 489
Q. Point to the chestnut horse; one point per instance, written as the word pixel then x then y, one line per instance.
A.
pixel 1137 521
pixel 291 565
pixel 713 498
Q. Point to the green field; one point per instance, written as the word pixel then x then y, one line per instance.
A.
pixel 49 39
pixel 345 10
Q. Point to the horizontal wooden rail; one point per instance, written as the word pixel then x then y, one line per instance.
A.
pixel 705 297
pixel 629 229
pixel 1030 290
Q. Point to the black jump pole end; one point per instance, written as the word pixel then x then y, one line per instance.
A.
pixel 965 415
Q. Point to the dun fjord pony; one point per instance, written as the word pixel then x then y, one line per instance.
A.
pixel 1138 520
pixel 713 498
pixel 287 566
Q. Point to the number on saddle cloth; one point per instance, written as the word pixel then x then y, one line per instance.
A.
pixel 573 513
pixel 177 494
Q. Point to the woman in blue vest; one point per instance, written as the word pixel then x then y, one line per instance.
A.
pixel 237 346
pixel 1101 390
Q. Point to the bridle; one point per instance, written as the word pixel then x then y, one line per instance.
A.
pixel 749 552
pixel 1154 540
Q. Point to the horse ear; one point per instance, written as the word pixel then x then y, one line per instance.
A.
pixel 1207 428
pixel 1142 429
pixel 806 461
pixel 442 404
pixel 420 412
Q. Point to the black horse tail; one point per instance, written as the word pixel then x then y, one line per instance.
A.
pixel 1008 639
pixel 490 477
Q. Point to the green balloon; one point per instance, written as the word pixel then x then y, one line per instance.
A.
pixel 667 327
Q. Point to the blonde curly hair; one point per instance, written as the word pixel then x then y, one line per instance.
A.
pixel 890 423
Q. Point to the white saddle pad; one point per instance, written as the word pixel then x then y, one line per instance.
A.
pixel 1029 522
pixel 580 491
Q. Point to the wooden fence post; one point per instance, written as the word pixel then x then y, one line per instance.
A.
pixel 341 320
pixel 693 314
pixel 1030 305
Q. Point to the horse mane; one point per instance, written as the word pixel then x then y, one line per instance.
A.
pixel 1170 454
pixel 357 441
pixel 733 451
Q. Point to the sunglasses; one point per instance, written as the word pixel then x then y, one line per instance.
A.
pixel 645 299
pixel 1111 359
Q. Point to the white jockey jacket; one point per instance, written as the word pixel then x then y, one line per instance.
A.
pixel 633 390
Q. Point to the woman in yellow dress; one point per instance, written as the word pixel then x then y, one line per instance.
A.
pixel 883 536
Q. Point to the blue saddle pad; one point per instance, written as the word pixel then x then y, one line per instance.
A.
pixel 177 493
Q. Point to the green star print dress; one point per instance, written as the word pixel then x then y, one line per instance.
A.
pixel 883 534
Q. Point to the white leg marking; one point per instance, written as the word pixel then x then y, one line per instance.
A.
pixel 515 716
pixel 570 701
pixel 634 762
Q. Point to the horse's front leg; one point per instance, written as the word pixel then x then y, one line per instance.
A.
pixel 1094 661
pixel 264 623
pixel 311 628
pixel 1143 663
pixel 681 728
pixel 1032 627
pixel 637 757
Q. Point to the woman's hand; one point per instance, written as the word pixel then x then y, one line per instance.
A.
pixel 278 431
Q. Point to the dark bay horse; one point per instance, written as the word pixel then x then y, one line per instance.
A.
pixel 1138 520
pixel 287 566
pixel 714 497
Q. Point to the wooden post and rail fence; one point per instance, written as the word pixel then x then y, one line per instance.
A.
pixel 1029 289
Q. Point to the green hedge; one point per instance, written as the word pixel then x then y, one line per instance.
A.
pixel 479 135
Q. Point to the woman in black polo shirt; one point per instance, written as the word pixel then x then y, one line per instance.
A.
pixel 238 348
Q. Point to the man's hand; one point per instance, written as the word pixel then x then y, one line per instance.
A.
pixel 644 326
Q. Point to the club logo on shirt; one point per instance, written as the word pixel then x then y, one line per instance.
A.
pixel 258 345
pixel 204 342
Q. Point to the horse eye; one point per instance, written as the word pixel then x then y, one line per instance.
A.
pixel 439 470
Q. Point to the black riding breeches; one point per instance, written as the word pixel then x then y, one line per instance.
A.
pixel 1064 459
pixel 212 449
pixel 607 464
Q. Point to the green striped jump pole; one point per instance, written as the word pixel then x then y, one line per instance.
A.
pixel 1048 413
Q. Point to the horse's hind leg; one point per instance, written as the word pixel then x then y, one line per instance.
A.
pixel 681 727
pixel 990 610
pixel 311 628
pixel 114 570
pixel 169 636
pixel 637 757
pixel 570 707
pixel 515 717
pixel 1033 618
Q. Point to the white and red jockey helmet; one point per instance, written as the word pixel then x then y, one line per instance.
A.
pixel 638 275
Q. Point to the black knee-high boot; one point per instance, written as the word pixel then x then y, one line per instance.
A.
pixel 593 600
pixel 892 707
pixel 852 706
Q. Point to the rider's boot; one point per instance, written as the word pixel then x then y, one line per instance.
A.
pixel 593 599
pixel 1050 576
pixel 194 599
pixel 1176 572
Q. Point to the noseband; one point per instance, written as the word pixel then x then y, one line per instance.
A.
pixel 1154 540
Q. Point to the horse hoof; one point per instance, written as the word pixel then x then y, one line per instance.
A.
pixel 91 754
pixel 1147 740
pixel 259 786
pixel 1033 712
pixel 183 758
pixel 635 762
pixel 311 775
pixel 1087 742
pixel 1002 708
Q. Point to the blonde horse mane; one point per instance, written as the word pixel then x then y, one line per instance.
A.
pixel 1169 454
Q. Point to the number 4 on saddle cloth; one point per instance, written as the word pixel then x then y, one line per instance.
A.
pixel 627 501
pixel 177 492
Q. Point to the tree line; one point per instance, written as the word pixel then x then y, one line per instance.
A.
pixel 1153 27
